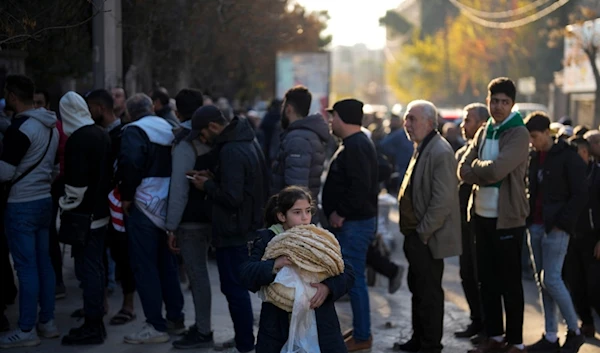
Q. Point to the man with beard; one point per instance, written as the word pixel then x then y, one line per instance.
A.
pixel 119 97
pixel 302 151
pixel 87 182
pixel 27 162
pixel 238 191
pixel 101 106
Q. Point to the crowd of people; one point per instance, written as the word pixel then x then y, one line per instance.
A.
pixel 151 185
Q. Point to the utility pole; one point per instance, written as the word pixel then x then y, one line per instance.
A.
pixel 107 37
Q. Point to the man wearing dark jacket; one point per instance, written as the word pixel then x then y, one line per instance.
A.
pixel 100 103
pixel 87 182
pixel 475 116
pixel 160 99
pixel 582 264
pixel 350 204
pixel 238 190
pixel 145 167
pixel 301 156
pixel 557 195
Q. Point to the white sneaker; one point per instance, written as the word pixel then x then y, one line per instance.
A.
pixel 147 335
pixel 48 330
pixel 18 338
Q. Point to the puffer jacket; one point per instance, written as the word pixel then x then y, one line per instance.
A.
pixel 301 156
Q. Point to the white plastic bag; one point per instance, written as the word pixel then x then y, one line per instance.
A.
pixel 303 337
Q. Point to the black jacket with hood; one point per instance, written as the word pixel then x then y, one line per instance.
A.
pixel 301 158
pixel 274 322
pixel 240 188
pixel 562 181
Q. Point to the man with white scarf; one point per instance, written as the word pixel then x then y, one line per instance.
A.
pixel 87 178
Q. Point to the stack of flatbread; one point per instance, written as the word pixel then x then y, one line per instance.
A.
pixel 314 251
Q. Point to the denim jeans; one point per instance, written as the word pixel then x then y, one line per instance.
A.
pixel 548 251
pixel 27 230
pixel 154 269
pixel 194 249
pixel 89 265
pixel 354 238
pixel 229 261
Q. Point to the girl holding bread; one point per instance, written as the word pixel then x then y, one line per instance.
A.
pixel 292 207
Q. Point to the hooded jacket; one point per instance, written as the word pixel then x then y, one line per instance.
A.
pixel 301 158
pixel 562 182
pixel 145 166
pixel 87 162
pixel 25 143
pixel 241 186
pixel 188 206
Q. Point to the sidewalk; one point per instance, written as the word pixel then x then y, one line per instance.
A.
pixel 390 315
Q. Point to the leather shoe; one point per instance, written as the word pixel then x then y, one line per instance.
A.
pixel 412 346
pixel 353 345
pixel 471 330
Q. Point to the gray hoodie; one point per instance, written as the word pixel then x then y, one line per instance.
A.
pixel 25 143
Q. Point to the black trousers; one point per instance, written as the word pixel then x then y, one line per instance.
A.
pixel 425 284
pixel 499 269
pixel 381 263
pixel 118 244
pixel 468 273
pixel 582 274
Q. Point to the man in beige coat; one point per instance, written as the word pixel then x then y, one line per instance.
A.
pixel 430 222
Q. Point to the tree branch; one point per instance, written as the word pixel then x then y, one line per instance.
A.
pixel 37 35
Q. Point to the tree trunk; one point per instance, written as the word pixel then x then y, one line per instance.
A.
pixel 591 54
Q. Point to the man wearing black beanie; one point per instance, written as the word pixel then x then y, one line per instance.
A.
pixel 350 204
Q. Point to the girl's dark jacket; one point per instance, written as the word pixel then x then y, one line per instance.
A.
pixel 274 323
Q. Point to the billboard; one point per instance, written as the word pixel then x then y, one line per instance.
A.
pixel 578 75
pixel 308 69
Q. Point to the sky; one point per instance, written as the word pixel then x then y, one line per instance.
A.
pixel 354 21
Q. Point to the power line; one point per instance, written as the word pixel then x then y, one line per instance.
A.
pixel 512 24
pixel 501 14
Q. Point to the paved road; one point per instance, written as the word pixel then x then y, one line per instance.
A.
pixel 387 310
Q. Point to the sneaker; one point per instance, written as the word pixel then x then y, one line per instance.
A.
pixel 60 291
pixel 230 343
pixel 147 334
pixel 48 330
pixel 176 328
pixel 396 281
pixel 194 339
pixel 573 343
pixel 87 334
pixel 18 338
pixel 543 345
pixel 4 323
